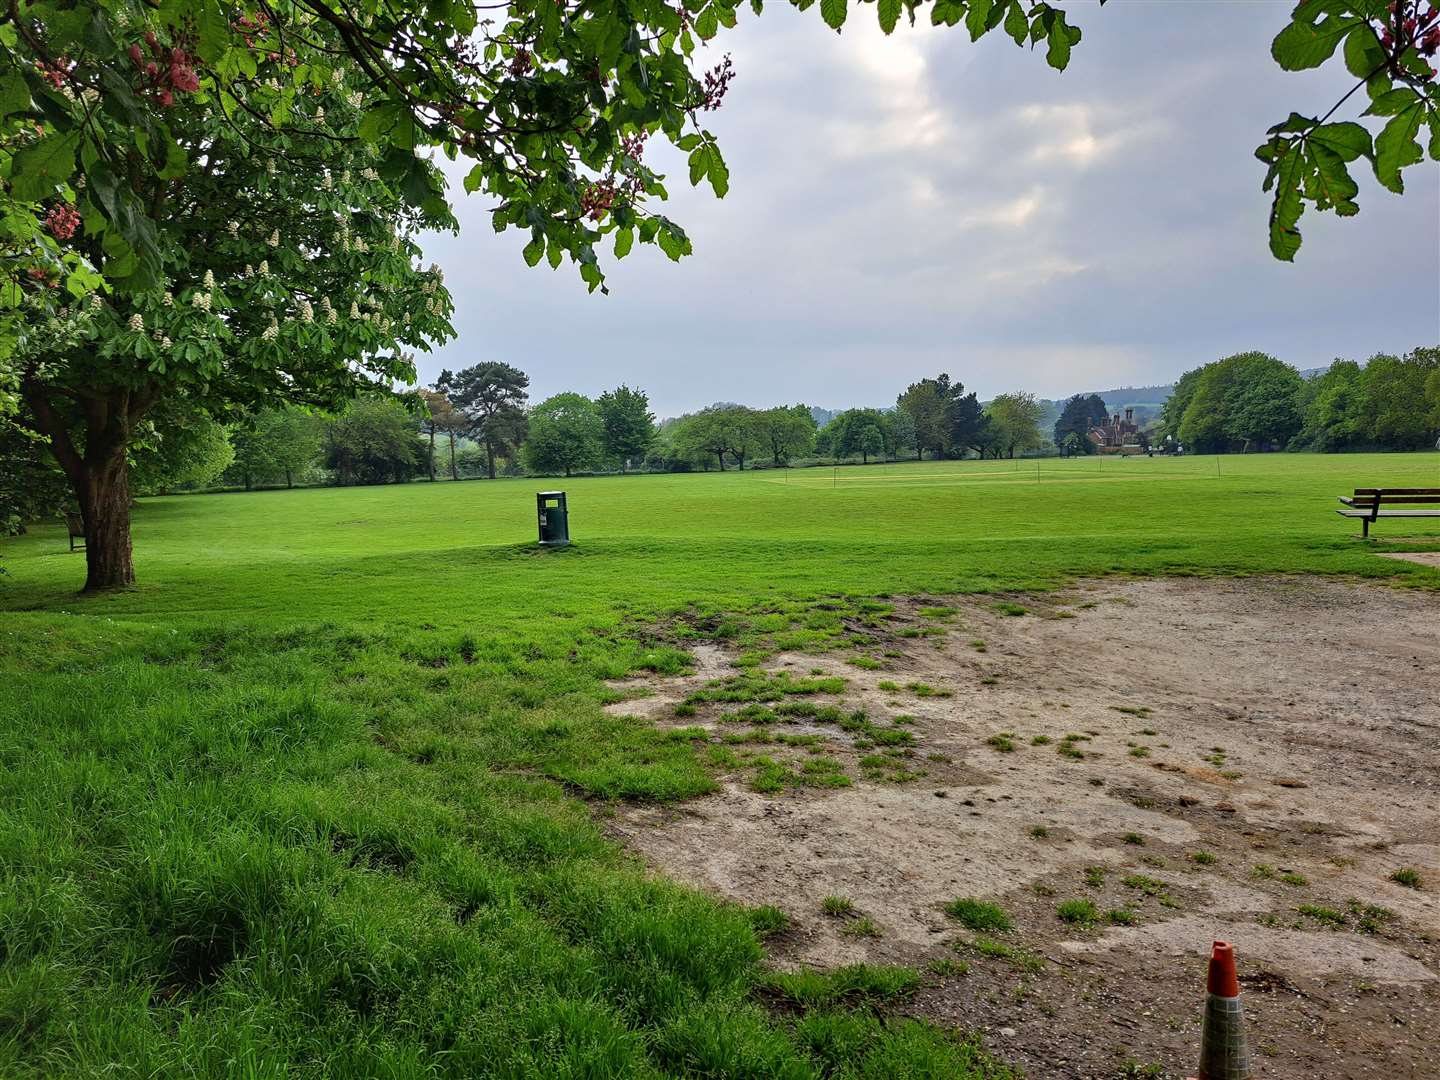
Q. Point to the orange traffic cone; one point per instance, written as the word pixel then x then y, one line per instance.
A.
pixel 1224 1053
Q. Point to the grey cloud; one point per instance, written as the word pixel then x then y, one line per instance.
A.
pixel 904 206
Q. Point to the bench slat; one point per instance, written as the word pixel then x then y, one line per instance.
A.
pixel 1397 491
pixel 1389 513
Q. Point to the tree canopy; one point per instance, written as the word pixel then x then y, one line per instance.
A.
pixel 629 425
pixel 566 433
pixel 493 396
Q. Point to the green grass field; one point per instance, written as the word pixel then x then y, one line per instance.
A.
pixel 320 796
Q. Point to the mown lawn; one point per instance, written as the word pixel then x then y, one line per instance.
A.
pixel 320 796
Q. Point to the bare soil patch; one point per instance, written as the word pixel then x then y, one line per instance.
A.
pixel 1241 759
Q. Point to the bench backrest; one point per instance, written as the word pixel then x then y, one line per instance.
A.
pixel 1373 499
pixel 75 523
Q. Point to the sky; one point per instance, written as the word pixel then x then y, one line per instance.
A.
pixel 920 203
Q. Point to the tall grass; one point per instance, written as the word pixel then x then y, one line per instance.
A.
pixel 320 796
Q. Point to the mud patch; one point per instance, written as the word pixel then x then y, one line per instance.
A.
pixel 1176 759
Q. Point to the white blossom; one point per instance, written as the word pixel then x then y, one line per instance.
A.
pixel 264 267
pixel 345 177
pixel 331 315
pixel 360 245
pixel 209 279
pixel 137 322
pixel 165 343
pixel 338 75
pixel 249 270
pixel 369 173
pixel 96 302
pixel 354 310
pixel 270 333
pixel 274 240
pixel 168 299
pixel 325 182
pixel 320 115
pixel 234 229
pixel 270 166
pixel 356 98
pixel 201 301
pixel 307 313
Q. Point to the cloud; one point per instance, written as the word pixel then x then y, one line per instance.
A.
pixel 905 205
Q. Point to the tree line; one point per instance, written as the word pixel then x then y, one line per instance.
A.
pixel 1252 401
pixel 479 422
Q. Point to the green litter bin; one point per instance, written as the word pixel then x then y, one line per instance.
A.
pixel 553 518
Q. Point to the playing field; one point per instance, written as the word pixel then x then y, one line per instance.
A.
pixel 463 553
pixel 331 791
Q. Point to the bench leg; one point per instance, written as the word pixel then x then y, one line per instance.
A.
pixel 1365 528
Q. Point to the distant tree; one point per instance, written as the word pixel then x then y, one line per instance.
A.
pixel 273 443
pixel 1243 401
pixel 969 426
pixel 566 433
pixel 32 486
pixel 719 431
pixel 1080 414
pixel 1016 419
pixel 373 442
pixel 293 437
pixel 1173 411
pixel 858 431
pixel 1397 412
pixel 786 430
pixel 443 419
pixel 902 431
pixel 927 403
pixel 1263 403
pixel 493 396
pixel 177 444
pixel 629 425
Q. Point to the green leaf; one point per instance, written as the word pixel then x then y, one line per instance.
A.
pixel 1331 186
pixel 707 25
pixel 624 241
pixel 1397 147
pixel 1347 140
pixel 889 12
pixel 1285 211
pixel 42 167
pixel 1015 23
pixel 14 94
pixel 534 250
pixel 1434 120
pixel 1363 54
pixel 833 12
pixel 699 162
pixel 1393 102
pixel 1061 37
pixel 977 17
pixel 1303 45
pixel 719 174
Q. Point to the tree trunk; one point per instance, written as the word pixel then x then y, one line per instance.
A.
pixel 289 480
pixel 105 505
pixel 720 457
pixel 99 476
pixel 454 475
pixel 432 453
pixel 490 458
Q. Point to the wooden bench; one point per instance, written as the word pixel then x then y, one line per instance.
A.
pixel 1371 504
pixel 76 524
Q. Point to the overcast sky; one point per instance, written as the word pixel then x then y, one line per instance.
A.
pixel 915 204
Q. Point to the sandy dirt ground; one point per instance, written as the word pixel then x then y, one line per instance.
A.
pixel 1248 760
